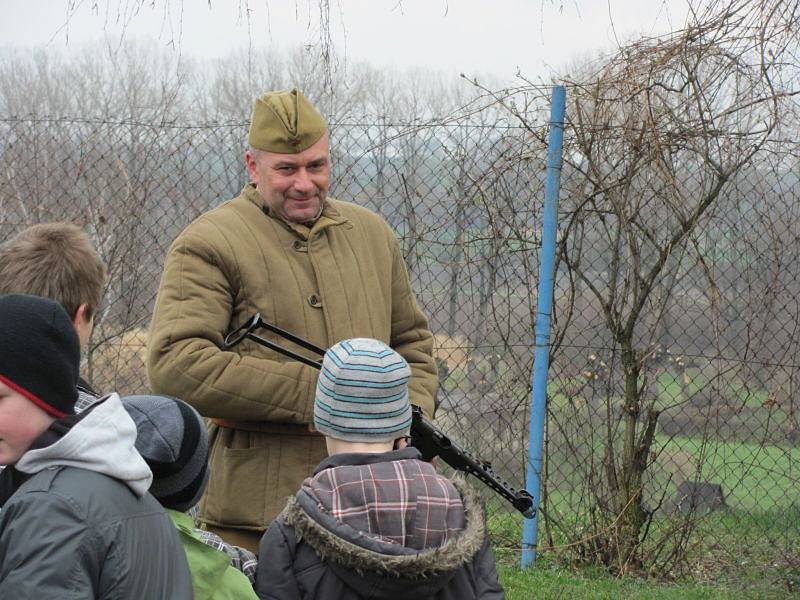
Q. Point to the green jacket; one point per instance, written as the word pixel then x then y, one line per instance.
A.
pixel 213 577
pixel 344 277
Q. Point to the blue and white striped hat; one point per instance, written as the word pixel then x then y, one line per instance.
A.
pixel 362 393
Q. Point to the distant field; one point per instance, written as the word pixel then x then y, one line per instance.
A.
pixel 546 580
pixel 749 550
pixel 752 476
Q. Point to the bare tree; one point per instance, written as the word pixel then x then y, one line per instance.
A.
pixel 656 135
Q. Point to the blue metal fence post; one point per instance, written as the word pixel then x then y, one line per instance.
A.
pixel 543 310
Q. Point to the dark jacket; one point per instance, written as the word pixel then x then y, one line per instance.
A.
pixel 307 553
pixel 81 524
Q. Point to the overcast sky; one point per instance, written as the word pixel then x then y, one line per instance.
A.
pixel 470 36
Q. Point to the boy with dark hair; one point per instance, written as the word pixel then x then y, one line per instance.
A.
pixel 77 521
pixel 57 261
pixel 374 521
pixel 171 437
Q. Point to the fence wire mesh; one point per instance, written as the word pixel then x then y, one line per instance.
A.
pixel 718 343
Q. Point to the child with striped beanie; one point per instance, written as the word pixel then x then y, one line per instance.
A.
pixel 362 393
pixel 374 519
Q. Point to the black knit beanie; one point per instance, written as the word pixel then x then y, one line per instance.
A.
pixel 39 352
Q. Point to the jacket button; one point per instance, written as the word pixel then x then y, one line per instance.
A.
pixel 315 301
pixel 299 246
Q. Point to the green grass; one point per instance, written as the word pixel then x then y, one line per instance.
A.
pixel 747 396
pixel 752 476
pixel 733 555
pixel 454 380
pixel 670 387
pixel 547 580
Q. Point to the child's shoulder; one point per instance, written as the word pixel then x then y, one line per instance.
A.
pixel 87 493
pixel 44 494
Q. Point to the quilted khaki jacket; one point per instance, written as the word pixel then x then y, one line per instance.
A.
pixel 342 278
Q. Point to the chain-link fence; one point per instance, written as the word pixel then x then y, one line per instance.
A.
pixel 709 409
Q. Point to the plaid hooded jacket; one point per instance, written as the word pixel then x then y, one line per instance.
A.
pixel 378 526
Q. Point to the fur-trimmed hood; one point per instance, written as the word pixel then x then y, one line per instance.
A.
pixel 379 569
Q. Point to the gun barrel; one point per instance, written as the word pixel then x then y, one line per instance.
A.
pixel 431 442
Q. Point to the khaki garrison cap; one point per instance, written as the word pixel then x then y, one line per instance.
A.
pixel 285 122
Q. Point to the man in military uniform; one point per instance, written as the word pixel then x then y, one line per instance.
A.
pixel 321 268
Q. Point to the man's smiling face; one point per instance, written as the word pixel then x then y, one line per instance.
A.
pixel 293 186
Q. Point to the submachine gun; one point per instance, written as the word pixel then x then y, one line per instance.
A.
pixel 425 436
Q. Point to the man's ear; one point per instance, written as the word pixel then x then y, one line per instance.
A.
pixel 79 319
pixel 252 167
pixel 83 323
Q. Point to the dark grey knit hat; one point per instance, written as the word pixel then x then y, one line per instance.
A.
pixel 362 393
pixel 171 437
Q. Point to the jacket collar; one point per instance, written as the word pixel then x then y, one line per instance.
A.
pixel 353 458
pixel 330 214
pixel 11 478
pixel 86 387
pixel 207 564
pixel 57 430
pixel 348 550
pixel 100 439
